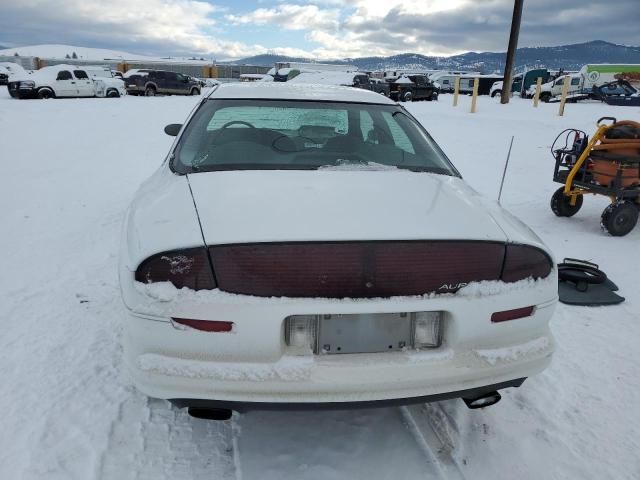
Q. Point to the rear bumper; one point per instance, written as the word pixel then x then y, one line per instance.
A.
pixel 247 406
pixel 252 364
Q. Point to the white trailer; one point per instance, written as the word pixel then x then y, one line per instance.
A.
pixel 446 79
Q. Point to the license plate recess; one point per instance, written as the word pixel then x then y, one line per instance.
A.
pixel 364 333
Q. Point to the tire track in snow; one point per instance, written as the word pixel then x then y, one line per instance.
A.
pixel 437 435
pixel 380 443
pixel 150 439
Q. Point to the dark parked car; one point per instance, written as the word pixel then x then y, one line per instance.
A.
pixel 162 82
pixel 373 84
pixel 408 88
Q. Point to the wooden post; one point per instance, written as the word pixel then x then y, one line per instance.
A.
pixel 474 99
pixel 565 90
pixel 536 96
pixel 456 90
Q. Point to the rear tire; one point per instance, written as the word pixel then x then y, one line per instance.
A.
pixel 150 92
pixel 46 93
pixel 496 93
pixel 194 91
pixel 407 97
pixel 561 204
pixel 545 97
pixel 113 94
pixel 619 218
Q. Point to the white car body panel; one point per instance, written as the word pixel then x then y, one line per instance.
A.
pixel 337 205
pixel 160 218
pixel 296 91
pixel 252 363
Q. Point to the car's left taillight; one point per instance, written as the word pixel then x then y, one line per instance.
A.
pixel 525 261
pixel 184 268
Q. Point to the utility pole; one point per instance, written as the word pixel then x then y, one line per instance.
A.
pixel 511 51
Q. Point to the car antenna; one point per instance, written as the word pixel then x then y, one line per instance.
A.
pixel 504 172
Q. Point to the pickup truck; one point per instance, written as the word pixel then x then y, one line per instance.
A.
pixel 9 70
pixel 65 81
pixel 589 76
pixel 408 88
pixel 161 82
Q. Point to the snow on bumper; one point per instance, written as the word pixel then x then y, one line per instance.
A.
pixel 253 364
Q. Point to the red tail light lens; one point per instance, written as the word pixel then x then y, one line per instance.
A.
pixel 355 269
pixel 511 314
pixel 205 325
pixel 184 268
pixel 523 261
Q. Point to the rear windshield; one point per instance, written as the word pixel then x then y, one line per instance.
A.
pixel 304 135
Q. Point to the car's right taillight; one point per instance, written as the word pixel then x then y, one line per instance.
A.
pixel 524 261
pixel 184 268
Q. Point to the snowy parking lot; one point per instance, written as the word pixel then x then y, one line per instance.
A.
pixel 70 168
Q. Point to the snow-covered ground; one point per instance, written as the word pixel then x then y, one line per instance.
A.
pixel 69 169
pixel 83 53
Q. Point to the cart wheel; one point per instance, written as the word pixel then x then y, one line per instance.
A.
pixel 619 218
pixel 561 206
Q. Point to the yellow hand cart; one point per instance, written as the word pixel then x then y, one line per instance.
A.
pixel 606 164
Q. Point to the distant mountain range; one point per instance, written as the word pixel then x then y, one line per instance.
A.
pixel 569 57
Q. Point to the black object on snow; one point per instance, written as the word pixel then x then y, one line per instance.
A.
pixel 583 283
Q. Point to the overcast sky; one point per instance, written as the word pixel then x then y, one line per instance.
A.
pixel 323 28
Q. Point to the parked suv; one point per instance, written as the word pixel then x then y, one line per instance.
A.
pixel 162 82
pixel 413 87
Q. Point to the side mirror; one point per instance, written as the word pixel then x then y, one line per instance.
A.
pixel 173 129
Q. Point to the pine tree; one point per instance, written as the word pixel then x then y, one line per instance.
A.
pixel 67 56
pixel 74 56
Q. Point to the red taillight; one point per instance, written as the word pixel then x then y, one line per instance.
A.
pixel 355 269
pixel 523 261
pixel 512 314
pixel 205 325
pixel 184 268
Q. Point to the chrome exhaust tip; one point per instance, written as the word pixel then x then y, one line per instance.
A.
pixel 484 400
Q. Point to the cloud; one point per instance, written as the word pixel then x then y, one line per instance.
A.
pixel 290 17
pixel 448 27
pixel 325 28
pixel 177 25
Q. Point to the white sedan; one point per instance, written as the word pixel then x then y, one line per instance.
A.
pixel 310 246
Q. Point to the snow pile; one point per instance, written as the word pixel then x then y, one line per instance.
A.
pixel 326 78
pixel 162 296
pixel 403 80
pixel 496 355
pixel 354 166
pixel 288 369
pixel 496 287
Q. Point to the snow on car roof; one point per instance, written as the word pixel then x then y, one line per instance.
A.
pixel 50 72
pixel 328 77
pixel 297 91
pixel 403 79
